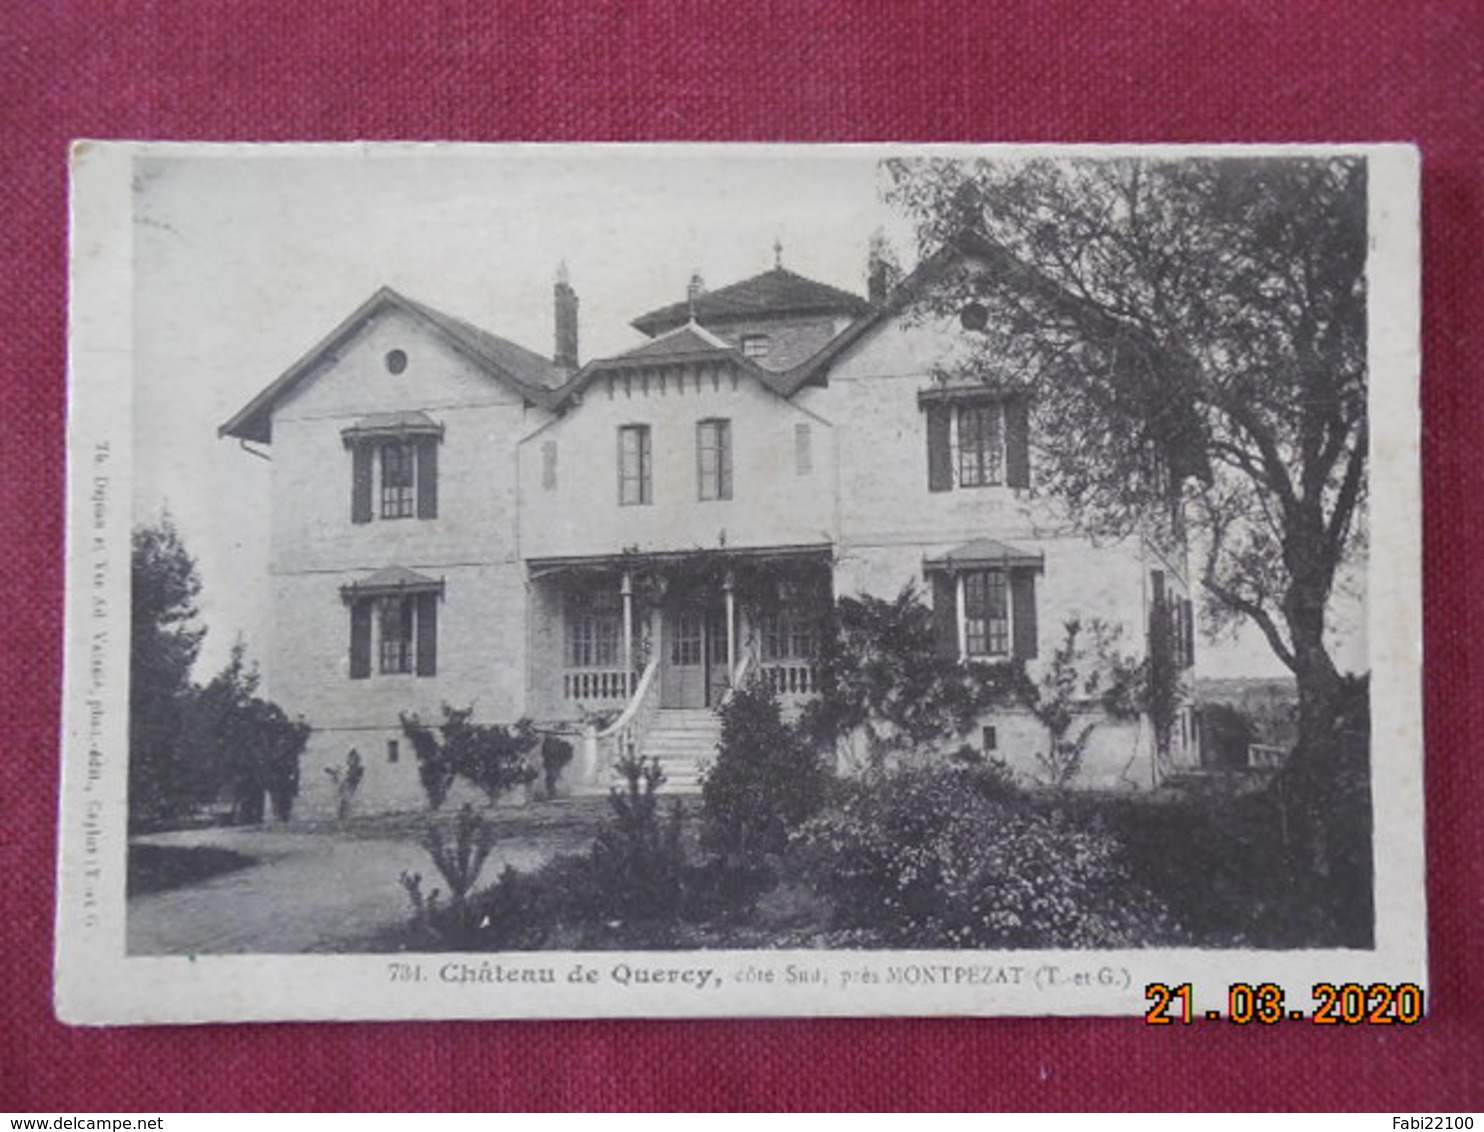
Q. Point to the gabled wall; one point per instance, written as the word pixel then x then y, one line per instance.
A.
pixel 471 546
pixel 772 503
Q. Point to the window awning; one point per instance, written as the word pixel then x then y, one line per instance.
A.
pixel 391 426
pixel 393 580
pixel 984 554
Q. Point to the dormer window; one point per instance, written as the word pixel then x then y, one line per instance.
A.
pixel 755 345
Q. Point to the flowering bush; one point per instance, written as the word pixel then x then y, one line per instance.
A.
pixel 938 856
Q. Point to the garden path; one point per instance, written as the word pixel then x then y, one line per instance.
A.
pixel 311 891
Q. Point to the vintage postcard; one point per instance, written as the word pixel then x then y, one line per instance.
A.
pixel 558 581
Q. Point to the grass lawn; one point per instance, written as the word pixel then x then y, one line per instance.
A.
pixel 158 868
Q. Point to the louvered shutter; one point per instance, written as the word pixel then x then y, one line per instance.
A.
pixel 940 455
pixel 360 640
pixel 1017 444
pixel 1023 614
pixel 360 490
pixel 945 615
pixel 427 634
pixel 427 477
pixel 1189 633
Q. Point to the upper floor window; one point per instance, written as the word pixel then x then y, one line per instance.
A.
pixel 634 465
pixel 714 459
pixel 398 480
pixel 981 443
pixel 755 345
pixel 976 440
pixel 394 467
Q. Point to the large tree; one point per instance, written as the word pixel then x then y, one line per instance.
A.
pixel 165 638
pixel 1189 329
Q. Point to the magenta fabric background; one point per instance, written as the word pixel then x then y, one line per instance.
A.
pixel 1298 70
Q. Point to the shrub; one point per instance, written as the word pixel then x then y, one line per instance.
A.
pixel 459 862
pixel 766 780
pixel 939 856
pixel 347 780
pixel 490 756
pixel 637 860
pixel 882 675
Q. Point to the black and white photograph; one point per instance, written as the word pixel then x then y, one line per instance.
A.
pixel 703 580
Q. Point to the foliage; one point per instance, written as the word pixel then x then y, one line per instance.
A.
pixel 1083 671
pixel 490 756
pixel 943 856
pixel 241 746
pixel 1188 330
pixel 459 862
pixel 638 862
pixel 1225 736
pixel 881 674
pixel 556 753
pixel 163 644
pixel 435 771
pixel 765 781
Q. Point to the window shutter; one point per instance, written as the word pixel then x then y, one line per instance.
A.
pixel 945 615
pixel 724 472
pixel 1023 614
pixel 427 634
pixel 1189 613
pixel 427 477
pixel 360 640
pixel 1017 443
pixel 940 456
pixel 360 492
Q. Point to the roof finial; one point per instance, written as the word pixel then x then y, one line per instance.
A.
pixel 777 252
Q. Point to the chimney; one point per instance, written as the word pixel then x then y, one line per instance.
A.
pixel 566 321
pixel 693 291
pixel 882 270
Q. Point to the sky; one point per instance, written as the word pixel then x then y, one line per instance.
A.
pixel 245 259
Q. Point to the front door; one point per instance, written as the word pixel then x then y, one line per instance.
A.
pixel 683 661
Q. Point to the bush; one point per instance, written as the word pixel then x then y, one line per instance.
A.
pixel 765 782
pixel 883 676
pixel 637 859
pixel 459 862
pixel 490 756
pixel 940 856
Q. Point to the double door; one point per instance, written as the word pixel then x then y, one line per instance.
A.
pixel 693 661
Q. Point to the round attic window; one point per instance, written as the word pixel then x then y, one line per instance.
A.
pixel 974 316
pixel 396 361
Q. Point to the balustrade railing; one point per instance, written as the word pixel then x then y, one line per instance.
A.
pixel 597 684
pixel 791 677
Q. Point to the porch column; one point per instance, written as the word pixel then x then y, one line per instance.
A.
pixel 731 600
pixel 626 588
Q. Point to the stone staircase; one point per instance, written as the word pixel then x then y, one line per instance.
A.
pixel 684 740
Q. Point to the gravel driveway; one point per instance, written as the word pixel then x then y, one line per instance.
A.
pixel 313 890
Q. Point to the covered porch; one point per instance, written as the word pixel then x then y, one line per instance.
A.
pixel 677 629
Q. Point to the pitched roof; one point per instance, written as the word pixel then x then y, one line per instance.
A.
pixel 774 292
pixel 688 340
pixel 525 372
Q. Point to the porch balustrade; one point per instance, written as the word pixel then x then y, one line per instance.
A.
pixel 791 677
pixel 601 685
